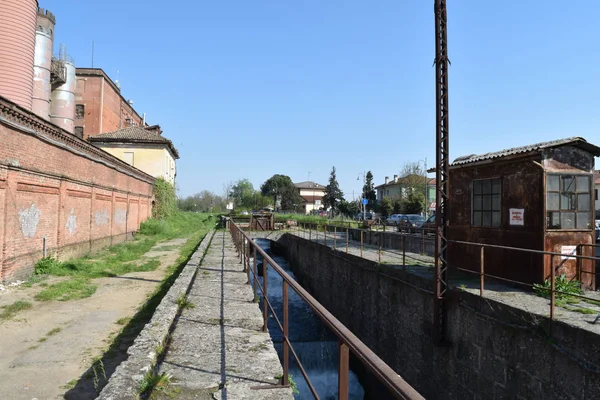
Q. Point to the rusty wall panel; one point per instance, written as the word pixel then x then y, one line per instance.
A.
pixel 554 243
pixel 568 159
pixel 522 187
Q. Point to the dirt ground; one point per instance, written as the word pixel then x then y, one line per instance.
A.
pixel 37 363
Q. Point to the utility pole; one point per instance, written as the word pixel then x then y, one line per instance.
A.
pixel 442 168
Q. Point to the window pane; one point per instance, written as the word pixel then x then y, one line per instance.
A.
pixel 476 187
pixel 477 218
pixel 553 220
pixel 477 203
pixel 496 186
pixel 496 202
pixel 487 203
pixel 496 218
pixel 583 202
pixel 552 183
pixel 583 184
pixel 568 182
pixel 552 201
pixel 486 218
pixel 583 220
pixel 486 186
pixel 567 220
pixel 566 201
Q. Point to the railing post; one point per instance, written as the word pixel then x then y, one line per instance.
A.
pixel 361 242
pixel 422 242
pixel 317 230
pixel 379 251
pixel 404 251
pixel 343 372
pixel 334 237
pixel 286 353
pixel 255 275
pixel 481 272
pixel 265 269
pixel 347 239
pixel 552 275
pixel 325 234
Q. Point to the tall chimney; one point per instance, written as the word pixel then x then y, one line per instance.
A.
pixel 387 178
pixel 42 86
pixel 395 178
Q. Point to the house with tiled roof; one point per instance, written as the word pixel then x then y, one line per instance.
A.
pixel 396 188
pixel 143 147
pixel 312 195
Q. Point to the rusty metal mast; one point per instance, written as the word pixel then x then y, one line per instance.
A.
pixel 442 168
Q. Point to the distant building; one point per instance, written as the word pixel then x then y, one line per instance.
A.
pixel 312 194
pixel 99 105
pixel 143 148
pixel 397 188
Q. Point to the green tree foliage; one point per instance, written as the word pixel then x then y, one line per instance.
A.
pixel 414 203
pixel 333 194
pixel 386 207
pixel 369 191
pixel 281 187
pixel 399 207
pixel 165 201
pixel 349 208
pixel 414 180
pixel 204 202
pixel 243 194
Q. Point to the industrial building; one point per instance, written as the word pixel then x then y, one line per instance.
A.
pixel 537 197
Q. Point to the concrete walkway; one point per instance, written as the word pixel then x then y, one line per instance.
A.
pixel 217 350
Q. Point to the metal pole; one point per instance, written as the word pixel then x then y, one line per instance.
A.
pixel 404 251
pixel 346 240
pixel 255 277
pixel 442 170
pixel 265 268
pixel 343 372
pixel 361 242
pixel 286 353
pixel 481 272
pixel 334 237
pixel 325 234
pixel 552 297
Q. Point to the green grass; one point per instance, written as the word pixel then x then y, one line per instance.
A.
pixel 153 381
pixel 123 321
pixel 53 331
pixel 70 385
pixel 72 289
pixel 184 302
pixel 12 310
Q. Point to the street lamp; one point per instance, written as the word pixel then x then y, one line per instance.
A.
pixel 364 215
pixel 426 185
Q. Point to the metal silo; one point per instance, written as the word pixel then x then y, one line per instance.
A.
pixel 44 39
pixel 17 46
pixel 62 99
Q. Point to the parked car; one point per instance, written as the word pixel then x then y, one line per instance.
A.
pixel 360 217
pixel 410 223
pixel 394 219
pixel 429 226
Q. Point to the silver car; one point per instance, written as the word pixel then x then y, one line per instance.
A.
pixel 394 219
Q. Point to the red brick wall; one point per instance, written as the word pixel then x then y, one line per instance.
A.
pixel 57 187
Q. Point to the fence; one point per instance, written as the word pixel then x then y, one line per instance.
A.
pixel 348 342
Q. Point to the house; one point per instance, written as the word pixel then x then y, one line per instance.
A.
pixel 141 147
pixel 536 197
pixel 312 194
pixel 397 188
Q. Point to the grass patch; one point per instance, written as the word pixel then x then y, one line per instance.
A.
pixel 12 310
pixel 72 289
pixel 154 382
pixel 70 385
pixel 32 281
pixel 54 331
pixel 592 302
pixel 183 302
pixel 164 248
pixel 42 340
pixel 123 321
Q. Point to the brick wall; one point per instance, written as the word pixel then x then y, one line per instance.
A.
pixel 62 191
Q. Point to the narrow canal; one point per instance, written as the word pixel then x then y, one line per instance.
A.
pixel 314 343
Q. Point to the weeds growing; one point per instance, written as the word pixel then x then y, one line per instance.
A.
pixel 11 310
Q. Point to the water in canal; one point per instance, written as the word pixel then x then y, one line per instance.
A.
pixel 315 345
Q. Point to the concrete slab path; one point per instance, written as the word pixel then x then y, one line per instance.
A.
pixel 218 350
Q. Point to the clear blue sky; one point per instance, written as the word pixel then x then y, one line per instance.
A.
pixel 247 89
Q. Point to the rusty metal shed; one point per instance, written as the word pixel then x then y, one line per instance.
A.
pixel 538 197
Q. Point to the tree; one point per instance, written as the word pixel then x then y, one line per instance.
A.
pixel 333 194
pixel 242 193
pixel 414 203
pixel 205 201
pixel 349 208
pixel 165 201
pixel 369 191
pixel 386 206
pixel 414 180
pixel 281 187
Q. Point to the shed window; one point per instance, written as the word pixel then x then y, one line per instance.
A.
pixel 568 201
pixel 486 202
pixel 79 131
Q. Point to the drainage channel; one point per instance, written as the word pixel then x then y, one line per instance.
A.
pixel 315 345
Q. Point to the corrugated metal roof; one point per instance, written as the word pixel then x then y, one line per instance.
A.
pixel 533 148
pixel 135 134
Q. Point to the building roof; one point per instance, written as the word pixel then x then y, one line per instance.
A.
pixel 527 150
pixel 136 134
pixel 400 181
pixel 308 185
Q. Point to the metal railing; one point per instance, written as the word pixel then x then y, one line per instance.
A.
pixel 348 342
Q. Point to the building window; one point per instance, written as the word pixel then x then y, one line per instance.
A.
pixel 568 201
pixel 486 202
pixel 79 111
pixel 128 157
pixel 79 131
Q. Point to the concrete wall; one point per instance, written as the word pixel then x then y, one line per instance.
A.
pixel 153 159
pixel 61 188
pixel 496 351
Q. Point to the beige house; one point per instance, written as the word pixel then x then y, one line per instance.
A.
pixel 397 188
pixel 143 148
pixel 312 194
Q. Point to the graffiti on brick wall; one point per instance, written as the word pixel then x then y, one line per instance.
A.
pixel 29 219
pixel 101 217
pixel 72 222
pixel 120 216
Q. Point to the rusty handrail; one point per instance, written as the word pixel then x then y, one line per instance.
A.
pixel 397 386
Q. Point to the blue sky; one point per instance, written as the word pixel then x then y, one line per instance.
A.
pixel 247 89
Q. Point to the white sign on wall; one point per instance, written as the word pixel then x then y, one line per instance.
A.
pixel 517 216
pixel 567 251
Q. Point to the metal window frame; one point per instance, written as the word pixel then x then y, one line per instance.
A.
pixel 591 210
pixel 491 194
